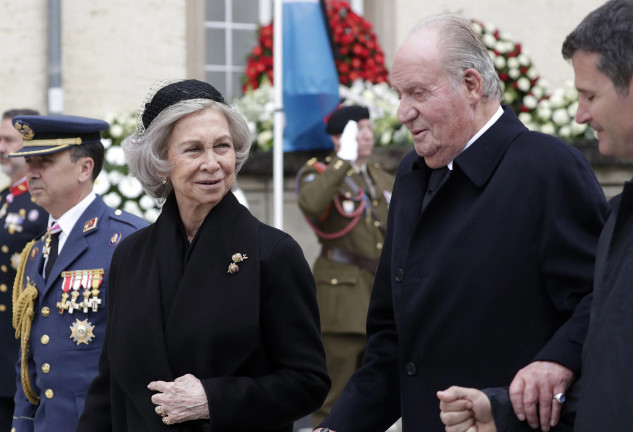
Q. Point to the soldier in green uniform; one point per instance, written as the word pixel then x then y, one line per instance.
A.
pixel 345 201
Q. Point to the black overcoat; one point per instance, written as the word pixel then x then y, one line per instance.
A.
pixel 479 284
pixel 606 399
pixel 252 338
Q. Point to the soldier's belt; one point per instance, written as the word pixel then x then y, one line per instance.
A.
pixel 345 257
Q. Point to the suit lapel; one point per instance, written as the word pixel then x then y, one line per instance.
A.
pixel 407 200
pixel 480 160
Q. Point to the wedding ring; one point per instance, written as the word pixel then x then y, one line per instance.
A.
pixel 160 411
pixel 167 421
pixel 559 397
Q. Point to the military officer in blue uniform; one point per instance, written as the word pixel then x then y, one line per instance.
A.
pixel 60 291
pixel 21 220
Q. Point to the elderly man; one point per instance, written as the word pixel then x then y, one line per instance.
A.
pixel 601 54
pixel 21 220
pixel 60 292
pixel 490 244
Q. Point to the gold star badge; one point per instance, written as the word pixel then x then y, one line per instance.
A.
pixel 81 331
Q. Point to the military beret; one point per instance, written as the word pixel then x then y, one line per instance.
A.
pixel 339 118
pixel 52 133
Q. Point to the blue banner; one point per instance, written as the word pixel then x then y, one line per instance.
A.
pixel 310 80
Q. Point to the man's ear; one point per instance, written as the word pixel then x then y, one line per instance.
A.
pixel 87 165
pixel 474 84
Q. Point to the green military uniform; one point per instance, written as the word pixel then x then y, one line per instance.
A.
pixel 349 218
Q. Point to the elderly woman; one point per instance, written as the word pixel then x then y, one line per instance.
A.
pixel 212 318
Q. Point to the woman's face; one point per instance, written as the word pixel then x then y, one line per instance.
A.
pixel 203 159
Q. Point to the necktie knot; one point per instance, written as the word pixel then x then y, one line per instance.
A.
pixel 51 245
pixel 435 181
pixel 436 178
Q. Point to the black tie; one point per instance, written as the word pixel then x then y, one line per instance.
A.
pixel 52 256
pixel 435 180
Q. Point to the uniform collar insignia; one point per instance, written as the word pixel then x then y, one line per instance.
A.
pixel 91 224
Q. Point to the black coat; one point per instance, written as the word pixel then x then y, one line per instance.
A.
pixel 479 284
pixel 601 399
pixel 606 400
pixel 252 338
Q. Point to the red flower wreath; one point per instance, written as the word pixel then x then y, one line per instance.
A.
pixel 361 57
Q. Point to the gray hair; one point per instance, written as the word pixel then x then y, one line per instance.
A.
pixel 607 31
pixel 463 49
pixel 147 153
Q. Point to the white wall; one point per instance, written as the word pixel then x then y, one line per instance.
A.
pixel 539 25
pixel 23 51
pixel 112 52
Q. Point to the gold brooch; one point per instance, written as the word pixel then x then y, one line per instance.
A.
pixel 237 257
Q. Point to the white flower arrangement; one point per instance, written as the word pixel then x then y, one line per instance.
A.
pixel 258 109
pixel 115 184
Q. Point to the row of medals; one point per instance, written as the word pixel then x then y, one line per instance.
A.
pixel 90 281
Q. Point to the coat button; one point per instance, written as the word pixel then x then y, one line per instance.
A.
pixel 379 245
pixel 334 281
pixel 3 288
pixel 399 275
pixel 4 268
pixel 410 368
pixel 49 394
pixel 46 311
pixel 46 368
pixel 3 308
pixel 44 339
pixel 5 248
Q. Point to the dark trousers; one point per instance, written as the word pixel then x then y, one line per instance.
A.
pixel 6 413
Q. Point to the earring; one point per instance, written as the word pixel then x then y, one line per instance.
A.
pixel 164 181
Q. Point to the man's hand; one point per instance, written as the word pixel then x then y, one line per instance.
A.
pixel 536 384
pixel 466 410
pixel 348 145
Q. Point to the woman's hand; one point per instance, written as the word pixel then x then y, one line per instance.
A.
pixel 181 400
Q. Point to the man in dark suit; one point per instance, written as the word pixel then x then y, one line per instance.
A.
pixel 21 220
pixel 601 54
pixel 59 299
pixel 490 245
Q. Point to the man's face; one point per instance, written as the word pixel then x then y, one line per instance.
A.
pixel 11 141
pixel 55 181
pixel 601 106
pixel 438 114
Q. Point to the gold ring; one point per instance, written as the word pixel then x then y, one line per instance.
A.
pixel 160 411
pixel 166 420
